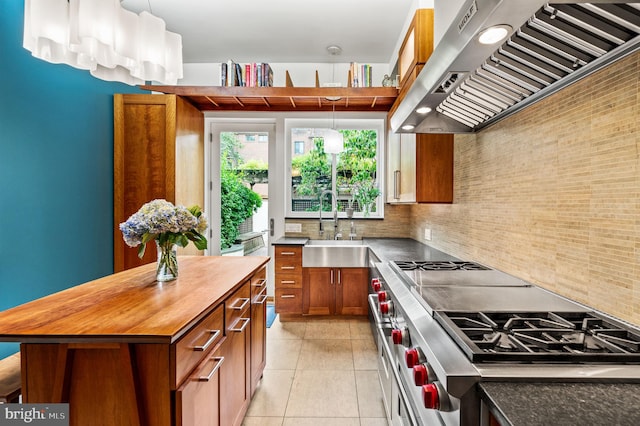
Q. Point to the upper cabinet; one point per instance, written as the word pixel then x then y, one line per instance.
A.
pixel 414 52
pixel 158 153
pixel 420 168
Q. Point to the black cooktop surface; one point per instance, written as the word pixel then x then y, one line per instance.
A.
pixel 570 337
pixel 435 265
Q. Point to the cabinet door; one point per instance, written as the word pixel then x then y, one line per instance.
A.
pixel 158 153
pixel 234 377
pixel 407 168
pixel 434 177
pixel 198 400
pixel 352 291
pixel 258 338
pixel 318 295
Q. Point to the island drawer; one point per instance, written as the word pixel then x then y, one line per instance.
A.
pixel 237 308
pixel 258 282
pixel 194 346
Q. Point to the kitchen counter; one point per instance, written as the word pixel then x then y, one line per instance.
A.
pixel 390 249
pixel 290 241
pixel 593 404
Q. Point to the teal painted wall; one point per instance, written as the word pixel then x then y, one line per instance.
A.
pixel 56 172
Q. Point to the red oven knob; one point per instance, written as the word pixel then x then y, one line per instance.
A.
pixel 420 374
pixel 382 296
pixel 386 308
pixel 411 357
pixel 396 336
pixel 375 283
pixel 430 396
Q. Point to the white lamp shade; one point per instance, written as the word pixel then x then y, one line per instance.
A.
pixel 102 37
pixel 152 46
pixel 333 142
pixel 173 58
pixel 92 31
pixel 46 30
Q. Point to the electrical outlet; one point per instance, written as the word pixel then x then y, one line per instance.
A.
pixel 427 234
pixel 292 227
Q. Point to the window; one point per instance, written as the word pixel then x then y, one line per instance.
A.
pixel 354 176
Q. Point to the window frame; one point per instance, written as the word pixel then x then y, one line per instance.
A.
pixel 377 124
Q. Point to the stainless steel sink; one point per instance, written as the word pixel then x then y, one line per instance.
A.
pixel 335 254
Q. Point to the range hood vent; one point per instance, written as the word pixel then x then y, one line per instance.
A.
pixel 450 80
pixel 555 45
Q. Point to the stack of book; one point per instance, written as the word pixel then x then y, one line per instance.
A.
pixel 361 75
pixel 249 75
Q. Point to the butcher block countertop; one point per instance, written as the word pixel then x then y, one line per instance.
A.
pixel 130 306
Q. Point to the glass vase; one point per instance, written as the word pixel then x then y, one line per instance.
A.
pixel 167 269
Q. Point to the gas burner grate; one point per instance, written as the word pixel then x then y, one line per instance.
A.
pixel 434 265
pixel 541 336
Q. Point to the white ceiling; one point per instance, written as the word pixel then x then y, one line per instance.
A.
pixel 289 31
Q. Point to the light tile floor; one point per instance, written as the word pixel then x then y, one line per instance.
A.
pixel 319 372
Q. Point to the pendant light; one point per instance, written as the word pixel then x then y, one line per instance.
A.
pixel 333 139
pixel 114 44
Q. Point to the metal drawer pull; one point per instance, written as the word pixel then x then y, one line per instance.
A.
pixel 264 298
pixel 396 184
pixel 241 329
pixel 260 283
pixel 216 367
pixel 288 253
pixel 263 293
pixel 287 281
pixel 288 296
pixel 288 267
pixel 210 340
pixel 241 307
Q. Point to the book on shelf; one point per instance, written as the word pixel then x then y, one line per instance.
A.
pixel 361 75
pixel 254 74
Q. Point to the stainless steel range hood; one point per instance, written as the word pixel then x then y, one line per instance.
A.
pixel 468 85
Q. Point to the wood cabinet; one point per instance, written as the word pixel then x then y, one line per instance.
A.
pixel 420 168
pixel 236 349
pixel 198 399
pixel 288 276
pixel 258 327
pixel 415 50
pixel 177 353
pixel 158 153
pixel 335 291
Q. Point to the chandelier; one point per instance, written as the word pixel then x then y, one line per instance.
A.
pixel 112 43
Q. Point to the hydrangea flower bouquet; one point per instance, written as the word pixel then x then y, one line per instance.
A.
pixel 169 226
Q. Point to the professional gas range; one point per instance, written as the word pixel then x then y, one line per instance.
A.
pixel 443 330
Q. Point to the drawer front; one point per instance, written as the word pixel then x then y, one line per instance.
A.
pixel 197 343
pixel 289 301
pixel 237 307
pixel 288 259
pixel 258 283
pixel 288 281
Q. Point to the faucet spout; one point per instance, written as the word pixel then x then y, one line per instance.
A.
pixel 334 209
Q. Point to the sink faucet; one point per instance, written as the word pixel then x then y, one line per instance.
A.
pixel 334 209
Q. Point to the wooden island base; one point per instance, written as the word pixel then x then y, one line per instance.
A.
pixel 126 350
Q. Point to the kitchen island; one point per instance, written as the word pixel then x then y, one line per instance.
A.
pixel 126 349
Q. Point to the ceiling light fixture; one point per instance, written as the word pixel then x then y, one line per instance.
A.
pixel 333 139
pixel 423 110
pixel 494 34
pixel 100 36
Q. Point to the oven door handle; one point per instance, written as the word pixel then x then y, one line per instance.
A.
pixel 373 304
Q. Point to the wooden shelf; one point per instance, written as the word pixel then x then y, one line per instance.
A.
pixel 217 98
